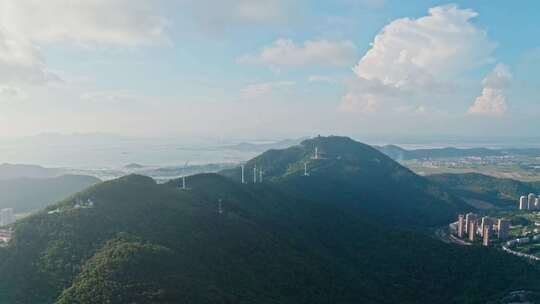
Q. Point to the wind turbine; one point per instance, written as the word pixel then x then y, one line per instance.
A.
pixel 184 187
pixel 255 174
pixel 316 156
pixel 243 176
pixel 305 169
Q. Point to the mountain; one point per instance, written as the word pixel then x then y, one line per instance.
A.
pixel 12 171
pixel 499 192
pixel 398 153
pixel 357 176
pixel 28 194
pixel 290 239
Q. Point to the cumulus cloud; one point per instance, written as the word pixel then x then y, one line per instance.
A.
pixel 21 61
pixel 493 99
pixel 285 52
pixel 258 90
pixel 421 56
pixel 28 25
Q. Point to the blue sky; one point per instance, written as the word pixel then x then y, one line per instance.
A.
pixel 269 69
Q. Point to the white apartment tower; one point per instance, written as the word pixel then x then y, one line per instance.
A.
pixel 468 218
pixel 523 203
pixel 472 230
pixel 461 226
pixel 486 233
pixel 486 223
pixel 530 201
pixel 504 228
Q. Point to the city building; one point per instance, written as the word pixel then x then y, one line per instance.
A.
pixel 503 229
pixel 486 233
pixel 472 229
pixel 522 203
pixel 537 203
pixel 461 226
pixel 486 222
pixel 530 201
pixel 468 218
pixel 7 217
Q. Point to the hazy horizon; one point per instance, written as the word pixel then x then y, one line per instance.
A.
pixel 104 150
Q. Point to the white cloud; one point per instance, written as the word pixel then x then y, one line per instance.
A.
pixel 362 104
pixel 221 15
pixel 493 99
pixel 258 90
pixel 117 23
pixel 422 56
pixel 20 61
pixel 28 25
pixel 10 93
pixel 285 52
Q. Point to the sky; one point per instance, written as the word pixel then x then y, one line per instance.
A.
pixel 270 69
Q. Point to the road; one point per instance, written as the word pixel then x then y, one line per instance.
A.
pixel 444 235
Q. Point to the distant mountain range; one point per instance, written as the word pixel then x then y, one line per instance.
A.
pixel 356 230
pixel 30 194
pixel 260 147
pixel 398 153
pixel 12 171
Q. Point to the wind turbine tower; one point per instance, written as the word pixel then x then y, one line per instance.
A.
pixel 316 153
pixel 260 175
pixel 184 177
pixel 305 169
pixel 243 176
pixel 255 174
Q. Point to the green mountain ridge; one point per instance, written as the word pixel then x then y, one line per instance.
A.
pixel 501 192
pixel 358 176
pixel 281 241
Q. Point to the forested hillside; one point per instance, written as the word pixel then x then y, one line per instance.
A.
pixel 501 192
pixel 289 239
